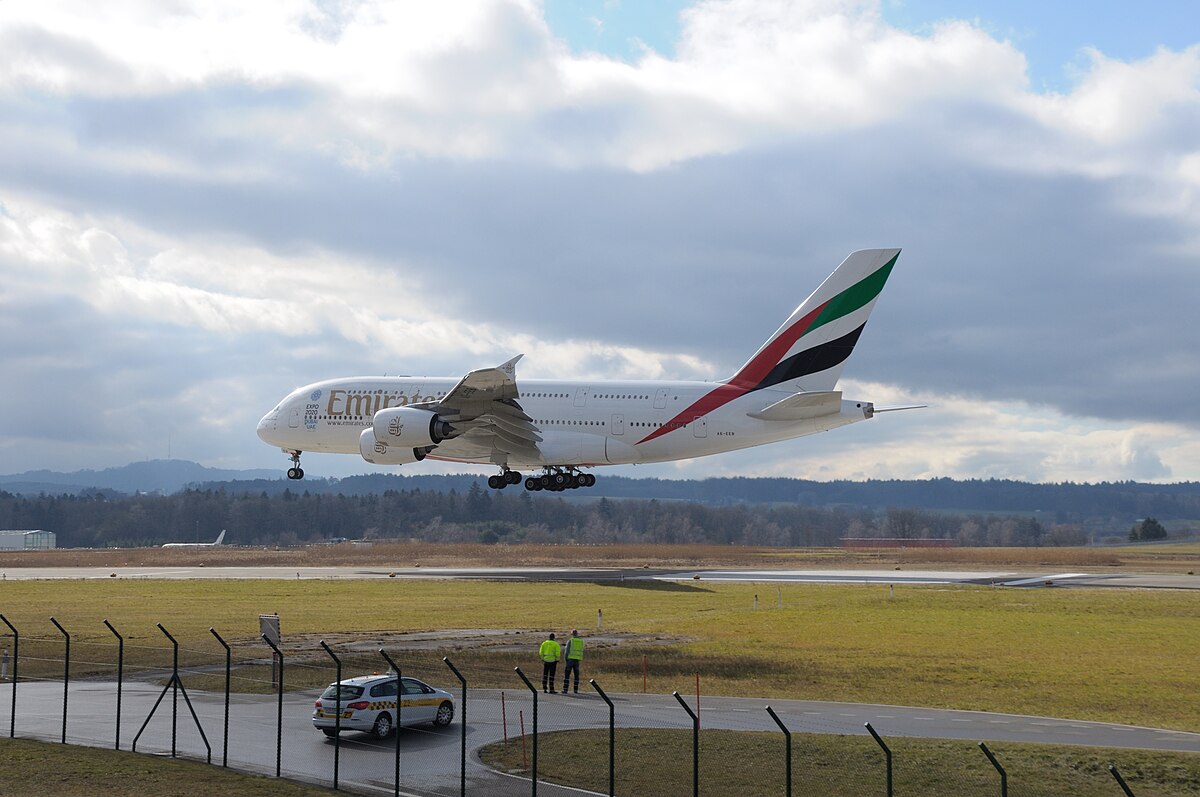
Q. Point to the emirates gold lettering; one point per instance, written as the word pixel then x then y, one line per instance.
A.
pixel 345 403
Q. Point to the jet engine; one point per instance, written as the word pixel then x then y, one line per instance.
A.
pixel 378 453
pixel 408 427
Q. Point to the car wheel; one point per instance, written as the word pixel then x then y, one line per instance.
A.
pixel 445 713
pixel 383 726
pixel 330 732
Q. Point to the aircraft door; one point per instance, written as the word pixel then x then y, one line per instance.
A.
pixel 618 423
pixel 294 418
pixel 700 426
pixel 660 399
pixel 581 396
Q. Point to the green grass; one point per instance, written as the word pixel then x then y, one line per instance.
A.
pixel 659 762
pixel 37 769
pixel 1116 655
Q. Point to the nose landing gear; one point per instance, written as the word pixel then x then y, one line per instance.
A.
pixel 295 472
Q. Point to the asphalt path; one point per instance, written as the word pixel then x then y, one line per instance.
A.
pixel 998 578
pixel 429 757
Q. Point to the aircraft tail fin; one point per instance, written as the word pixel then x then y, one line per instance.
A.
pixel 809 350
pixel 220 537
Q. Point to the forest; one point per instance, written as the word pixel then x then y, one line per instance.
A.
pixel 288 517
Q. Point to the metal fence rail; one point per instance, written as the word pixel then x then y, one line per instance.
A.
pixel 269 729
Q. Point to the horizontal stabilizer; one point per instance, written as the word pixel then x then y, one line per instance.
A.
pixel 801 406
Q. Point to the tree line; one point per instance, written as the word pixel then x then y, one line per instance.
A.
pixel 288 517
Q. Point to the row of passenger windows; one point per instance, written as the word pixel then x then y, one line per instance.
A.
pixel 597 396
pixel 642 424
pixel 439 394
pixel 442 393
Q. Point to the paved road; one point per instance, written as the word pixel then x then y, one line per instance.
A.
pixel 430 756
pixel 1005 578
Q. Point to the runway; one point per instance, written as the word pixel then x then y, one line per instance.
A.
pixel 997 578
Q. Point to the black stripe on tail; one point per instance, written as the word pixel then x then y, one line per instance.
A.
pixel 812 361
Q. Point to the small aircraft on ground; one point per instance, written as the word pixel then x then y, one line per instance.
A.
pixel 220 538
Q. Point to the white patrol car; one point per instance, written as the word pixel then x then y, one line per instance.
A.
pixel 368 704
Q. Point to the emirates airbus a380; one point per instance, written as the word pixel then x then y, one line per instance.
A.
pixel 560 427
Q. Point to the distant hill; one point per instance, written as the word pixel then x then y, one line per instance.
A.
pixel 151 476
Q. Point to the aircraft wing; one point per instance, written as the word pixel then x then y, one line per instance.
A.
pixel 483 408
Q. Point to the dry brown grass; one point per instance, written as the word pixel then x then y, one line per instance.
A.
pixel 1015 557
pixel 1161 558
pixel 430 554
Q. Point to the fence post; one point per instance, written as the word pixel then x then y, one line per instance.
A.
pixel 533 770
pixel 120 677
pixel 176 685
pixel 788 746
pixel 612 739
pixel 399 714
pixel 462 720
pixel 337 718
pixel 228 673
pixel 887 752
pixel 66 674
pixel 1120 780
pixel 1000 769
pixel 279 710
pixel 695 744
pixel 12 722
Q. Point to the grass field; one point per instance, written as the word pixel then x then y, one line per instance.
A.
pixel 659 762
pixel 1117 655
pixel 38 769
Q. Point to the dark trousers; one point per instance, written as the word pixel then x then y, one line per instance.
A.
pixel 572 667
pixel 548 669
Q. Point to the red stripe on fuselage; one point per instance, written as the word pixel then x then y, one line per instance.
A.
pixel 744 381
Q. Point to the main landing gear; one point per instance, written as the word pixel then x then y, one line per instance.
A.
pixel 556 480
pixel 295 472
pixel 502 480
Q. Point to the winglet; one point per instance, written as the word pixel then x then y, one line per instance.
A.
pixel 510 367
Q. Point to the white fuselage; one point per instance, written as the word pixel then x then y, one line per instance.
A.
pixel 581 422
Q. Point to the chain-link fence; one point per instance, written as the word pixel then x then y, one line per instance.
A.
pixel 467 724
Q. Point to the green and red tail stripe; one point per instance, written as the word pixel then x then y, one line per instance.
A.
pixel 772 365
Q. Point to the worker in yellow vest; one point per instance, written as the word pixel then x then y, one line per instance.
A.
pixel 574 660
pixel 551 652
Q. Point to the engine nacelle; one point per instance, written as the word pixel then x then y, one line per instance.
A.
pixel 378 453
pixel 407 427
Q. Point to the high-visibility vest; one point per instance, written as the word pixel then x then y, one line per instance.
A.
pixel 575 648
pixel 550 650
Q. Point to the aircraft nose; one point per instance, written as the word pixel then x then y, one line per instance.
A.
pixel 267 425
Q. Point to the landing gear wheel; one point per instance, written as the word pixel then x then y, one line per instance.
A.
pixel 512 476
pixel 383 726
pixel 496 482
pixel 560 479
pixel 588 480
pixel 545 481
pixel 295 472
pixel 532 484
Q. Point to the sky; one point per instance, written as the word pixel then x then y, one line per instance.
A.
pixel 206 204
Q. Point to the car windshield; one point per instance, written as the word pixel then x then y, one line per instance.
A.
pixel 348 692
